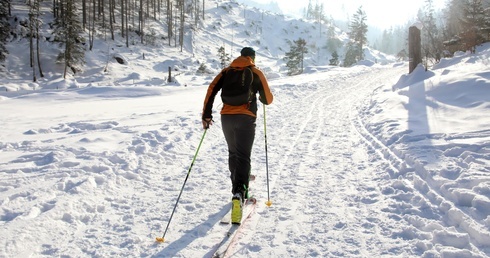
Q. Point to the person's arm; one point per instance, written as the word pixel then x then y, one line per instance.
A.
pixel 266 96
pixel 207 111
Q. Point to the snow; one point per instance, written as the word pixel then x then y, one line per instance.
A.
pixel 367 161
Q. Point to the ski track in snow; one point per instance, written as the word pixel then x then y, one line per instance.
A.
pixel 315 151
pixel 336 190
pixel 326 159
pixel 433 212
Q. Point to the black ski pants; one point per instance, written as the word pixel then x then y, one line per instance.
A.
pixel 239 131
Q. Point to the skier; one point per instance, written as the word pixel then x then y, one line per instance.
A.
pixel 238 122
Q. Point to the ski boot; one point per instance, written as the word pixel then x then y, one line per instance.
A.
pixel 236 209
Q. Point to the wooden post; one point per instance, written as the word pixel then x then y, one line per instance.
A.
pixel 414 48
pixel 169 74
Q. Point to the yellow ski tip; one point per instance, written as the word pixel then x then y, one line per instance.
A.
pixel 268 203
pixel 160 239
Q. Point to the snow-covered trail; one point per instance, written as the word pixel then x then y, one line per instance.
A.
pixel 324 176
pixel 105 170
pixel 326 196
pixel 95 172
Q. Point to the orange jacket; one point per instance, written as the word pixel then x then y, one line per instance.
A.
pixel 259 85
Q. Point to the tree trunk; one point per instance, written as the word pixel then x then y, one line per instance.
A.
pixel 31 40
pixel 102 11
pixel 111 18
pixel 169 74
pixel 60 9
pixel 126 23
pixel 196 12
pixel 84 13
pixel 182 21
pixel 122 18
pixel 37 40
pixel 30 34
pixel 175 29
pixel 66 62
pixel 169 21
pixel 92 29
pixel 154 10
pixel 38 55
pixel 55 8
pixel 141 22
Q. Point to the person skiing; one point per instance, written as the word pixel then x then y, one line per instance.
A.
pixel 238 123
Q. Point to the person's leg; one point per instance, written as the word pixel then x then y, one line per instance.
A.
pixel 244 139
pixel 228 126
pixel 239 131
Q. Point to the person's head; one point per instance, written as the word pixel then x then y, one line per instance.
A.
pixel 248 51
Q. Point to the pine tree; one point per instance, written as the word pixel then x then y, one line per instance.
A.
pixel 202 68
pixel 333 43
pixel 351 55
pixel 295 57
pixel 467 24
pixel 335 58
pixel 4 29
pixel 224 58
pixel 473 22
pixel 357 34
pixel 431 43
pixel 68 31
pixel 453 16
pixel 309 10
pixel 387 42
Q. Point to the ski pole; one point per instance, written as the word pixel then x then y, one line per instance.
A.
pixel 162 239
pixel 269 202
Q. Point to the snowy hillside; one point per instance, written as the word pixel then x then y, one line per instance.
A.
pixel 367 161
pixel 227 24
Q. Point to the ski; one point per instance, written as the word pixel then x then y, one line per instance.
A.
pixel 230 237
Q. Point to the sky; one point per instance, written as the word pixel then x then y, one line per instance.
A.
pixel 366 161
pixel 380 13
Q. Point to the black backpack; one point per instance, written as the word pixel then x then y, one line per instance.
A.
pixel 237 86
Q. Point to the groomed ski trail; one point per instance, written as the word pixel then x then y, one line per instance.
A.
pixel 324 155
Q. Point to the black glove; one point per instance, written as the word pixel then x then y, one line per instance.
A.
pixel 206 122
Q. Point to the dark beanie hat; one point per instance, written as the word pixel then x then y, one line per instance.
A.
pixel 248 51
